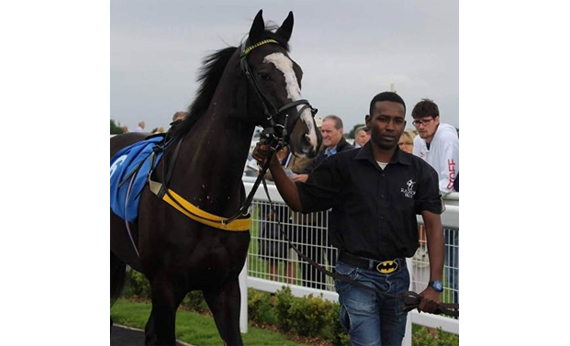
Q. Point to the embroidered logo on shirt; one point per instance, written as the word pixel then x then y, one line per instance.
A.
pixel 409 192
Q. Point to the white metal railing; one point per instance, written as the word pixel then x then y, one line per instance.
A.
pixel 272 265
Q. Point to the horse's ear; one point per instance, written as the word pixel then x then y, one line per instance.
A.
pixel 257 28
pixel 286 28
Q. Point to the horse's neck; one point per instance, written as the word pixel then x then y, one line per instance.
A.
pixel 214 153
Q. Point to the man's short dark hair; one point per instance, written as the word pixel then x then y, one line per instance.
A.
pixel 425 108
pixel 387 96
pixel 337 121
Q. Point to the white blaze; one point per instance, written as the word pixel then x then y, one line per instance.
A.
pixel 285 65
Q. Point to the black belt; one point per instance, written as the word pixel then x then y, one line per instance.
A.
pixel 383 267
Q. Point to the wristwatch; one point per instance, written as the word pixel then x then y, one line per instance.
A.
pixel 436 285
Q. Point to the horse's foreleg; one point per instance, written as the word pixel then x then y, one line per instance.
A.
pixel 117 279
pixel 166 296
pixel 225 307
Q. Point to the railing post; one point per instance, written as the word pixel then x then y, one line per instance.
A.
pixel 407 341
pixel 243 291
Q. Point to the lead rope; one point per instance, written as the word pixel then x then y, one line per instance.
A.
pixel 411 299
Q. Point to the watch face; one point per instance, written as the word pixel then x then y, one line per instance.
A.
pixel 438 286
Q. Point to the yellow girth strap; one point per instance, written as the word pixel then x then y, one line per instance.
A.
pixel 200 215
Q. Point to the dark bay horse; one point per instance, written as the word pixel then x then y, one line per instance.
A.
pixel 255 84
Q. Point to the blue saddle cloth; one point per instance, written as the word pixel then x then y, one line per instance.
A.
pixel 123 164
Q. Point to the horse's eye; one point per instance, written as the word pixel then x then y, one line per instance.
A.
pixel 263 76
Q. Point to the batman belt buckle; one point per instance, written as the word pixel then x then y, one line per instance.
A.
pixel 387 267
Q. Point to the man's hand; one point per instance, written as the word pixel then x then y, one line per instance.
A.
pixel 430 300
pixel 260 153
pixel 285 186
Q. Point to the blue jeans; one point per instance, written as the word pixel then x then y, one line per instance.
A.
pixel 369 318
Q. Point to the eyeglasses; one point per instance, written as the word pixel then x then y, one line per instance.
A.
pixel 405 143
pixel 424 122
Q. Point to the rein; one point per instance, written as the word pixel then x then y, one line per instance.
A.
pixel 280 130
pixel 276 134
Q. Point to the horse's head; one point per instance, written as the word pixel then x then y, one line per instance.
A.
pixel 275 80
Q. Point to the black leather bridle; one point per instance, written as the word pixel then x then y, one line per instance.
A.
pixel 275 132
pixel 275 135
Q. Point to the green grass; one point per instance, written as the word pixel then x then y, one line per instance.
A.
pixel 191 327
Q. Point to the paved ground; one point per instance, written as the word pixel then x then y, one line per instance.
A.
pixel 125 336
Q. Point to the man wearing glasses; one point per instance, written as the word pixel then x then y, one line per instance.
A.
pixel 436 143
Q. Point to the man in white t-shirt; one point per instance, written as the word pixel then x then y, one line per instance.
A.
pixel 437 143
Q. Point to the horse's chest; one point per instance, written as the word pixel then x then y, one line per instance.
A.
pixel 208 255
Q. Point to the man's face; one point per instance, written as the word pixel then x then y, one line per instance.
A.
pixel 386 123
pixel 331 136
pixel 426 127
pixel 362 137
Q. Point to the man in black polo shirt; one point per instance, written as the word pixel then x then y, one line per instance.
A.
pixel 375 193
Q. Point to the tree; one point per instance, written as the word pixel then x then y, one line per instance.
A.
pixel 115 129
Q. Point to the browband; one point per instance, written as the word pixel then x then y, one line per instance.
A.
pixel 245 51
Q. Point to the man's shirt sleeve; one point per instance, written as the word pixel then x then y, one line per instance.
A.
pixel 427 196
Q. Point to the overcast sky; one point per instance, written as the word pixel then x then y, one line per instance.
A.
pixel 349 51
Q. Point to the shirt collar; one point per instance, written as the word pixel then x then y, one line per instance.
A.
pixel 330 152
pixel 365 153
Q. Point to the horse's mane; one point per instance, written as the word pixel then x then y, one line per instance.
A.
pixel 211 72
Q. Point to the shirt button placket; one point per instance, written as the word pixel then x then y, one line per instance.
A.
pixel 382 202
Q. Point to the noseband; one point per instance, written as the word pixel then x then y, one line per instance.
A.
pixel 275 132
